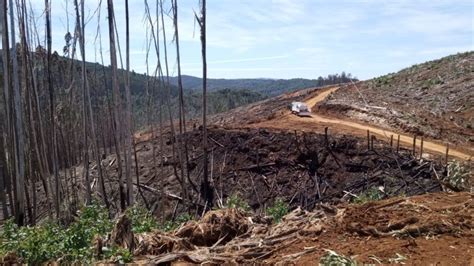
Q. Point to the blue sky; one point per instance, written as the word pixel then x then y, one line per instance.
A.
pixel 288 38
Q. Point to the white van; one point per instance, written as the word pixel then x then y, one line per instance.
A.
pixel 300 109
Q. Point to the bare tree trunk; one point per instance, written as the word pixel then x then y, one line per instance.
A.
pixel 168 100
pixel 52 108
pixel 6 97
pixel 182 110
pixel 35 119
pixel 30 135
pixel 207 189
pixel 80 28
pixel 128 123
pixel 116 98
pixel 158 70
pixel 19 137
pixel 3 199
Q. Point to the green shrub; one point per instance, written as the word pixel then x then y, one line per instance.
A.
pixel 278 210
pixel 49 241
pixel 172 225
pixel 117 255
pixel 371 194
pixel 236 202
pixel 33 244
pixel 142 220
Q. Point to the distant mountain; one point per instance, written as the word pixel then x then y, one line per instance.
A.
pixel 264 86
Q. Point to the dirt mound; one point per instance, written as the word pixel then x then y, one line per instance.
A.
pixel 424 228
pixel 404 217
pixel 434 99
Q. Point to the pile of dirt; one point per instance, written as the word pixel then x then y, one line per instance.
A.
pixel 434 99
pixel 413 227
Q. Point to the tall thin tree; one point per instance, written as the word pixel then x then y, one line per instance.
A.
pixel 18 125
pixel 6 98
pixel 116 97
pixel 128 123
pixel 207 191
pixel 52 108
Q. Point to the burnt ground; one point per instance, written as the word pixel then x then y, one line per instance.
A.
pixel 259 166
pixel 262 165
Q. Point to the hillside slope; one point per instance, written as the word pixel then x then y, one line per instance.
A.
pixel 266 87
pixel 433 99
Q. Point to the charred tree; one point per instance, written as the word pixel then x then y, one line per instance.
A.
pixel 207 191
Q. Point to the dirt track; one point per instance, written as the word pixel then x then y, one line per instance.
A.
pixel 317 122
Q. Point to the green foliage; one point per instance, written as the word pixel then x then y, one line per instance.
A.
pixel 172 225
pixel 236 202
pixel 458 175
pixel 50 241
pixel 33 244
pixel 142 220
pixel 372 194
pixel 278 210
pixel 332 258
pixel 117 255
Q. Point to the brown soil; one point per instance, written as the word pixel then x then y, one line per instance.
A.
pixel 434 99
pixel 317 122
pixel 427 229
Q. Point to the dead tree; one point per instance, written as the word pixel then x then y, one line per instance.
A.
pixel 207 191
pixel 95 140
pixel 18 126
pixel 6 97
pixel 80 30
pixel 116 98
pixel 168 91
pixel 128 123
pixel 52 107
pixel 182 109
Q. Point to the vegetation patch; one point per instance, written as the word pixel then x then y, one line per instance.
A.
pixel 278 210
pixel 50 241
pixel 371 194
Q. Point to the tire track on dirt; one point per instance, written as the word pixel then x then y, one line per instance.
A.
pixel 304 123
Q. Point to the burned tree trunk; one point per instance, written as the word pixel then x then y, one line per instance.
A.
pixel 128 123
pixel 116 98
pixel 207 190
pixel 19 135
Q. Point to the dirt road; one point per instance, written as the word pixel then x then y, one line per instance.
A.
pixel 317 122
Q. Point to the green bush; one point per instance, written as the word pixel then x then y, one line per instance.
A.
pixel 172 225
pixel 372 194
pixel 278 210
pixel 236 202
pixel 117 255
pixel 49 241
pixel 142 220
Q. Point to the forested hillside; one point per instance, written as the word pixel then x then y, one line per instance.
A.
pixel 267 87
pixel 224 94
